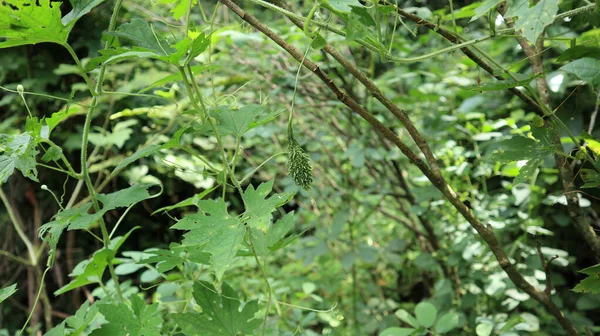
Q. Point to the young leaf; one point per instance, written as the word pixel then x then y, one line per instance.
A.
pixel 485 7
pixel 446 323
pixel 88 271
pixel 31 21
pixel 17 153
pixel 590 177
pixel 82 318
pixel 579 51
pixel 591 284
pixel 236 122
pixel 341 6
pixel 80 8
pixel 141 320
pixel 219 232
pixel 140 33
pixel 532 21
pixel 516 7
pixel 259 208
pixel 7 291
pixel 426 314
pixel 587 69
pixel 221 314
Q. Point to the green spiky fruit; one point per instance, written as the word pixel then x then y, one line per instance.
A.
pixel 299 166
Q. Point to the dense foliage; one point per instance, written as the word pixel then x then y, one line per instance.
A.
pixel 330 167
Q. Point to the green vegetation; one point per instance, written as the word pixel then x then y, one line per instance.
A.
pixel 331 167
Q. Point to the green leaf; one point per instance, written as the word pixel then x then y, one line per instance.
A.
pixel 88 271
pixel 590 177
pixel 141 320
pixel 341 6
pixel 318 42
pixel 198 46
pixel 29 22
pixel 516 8
pixel 407 318
pixel 141 34
pixel 485 7
pixel 80 8
pixel 446 323
pixel 532 21
pixel 259 208
pixel 17 153
pixel 214 228
pixel 52 154
pixel 220 315
pixel 426 314
pixel 236 122
pixel 527 172
pixel 587 69
pixel 120 134
pixel 395 331
pixel 7 291
pixel 82 318
pixel 579 51
pixel 484 329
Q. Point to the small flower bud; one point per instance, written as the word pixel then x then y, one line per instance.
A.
pixel 20 89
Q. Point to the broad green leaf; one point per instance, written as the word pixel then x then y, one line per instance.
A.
pixel 140 153
pixel 395 331
pixel 341 6
pixel 17 152
pixel 82 318
pixel 516 8
pixel 220 315
pixel 120 134
pixel 484 329
pixel 125 197
pixel 587 69
pixel 591 284
pixel 236 122
pixel 7 291
pixel 79 218
pixel 88 271
pixel 219 232
pixel 522 148
pixel 51 231
pixel 29 22
pixel 579 51
pixel 532 21
pixel 446 323
pixel 426 314
pixel 259 208
pixel 52 154
pixel 198 46
pixel 407 318
pixel 527 172
pixel 485 7
pixel 80 8
pixel 140 320
pixel 141 34
pixel 63 114
pixel 590 177
pixel 59 330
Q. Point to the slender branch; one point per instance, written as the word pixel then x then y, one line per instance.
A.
pixel 17 226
